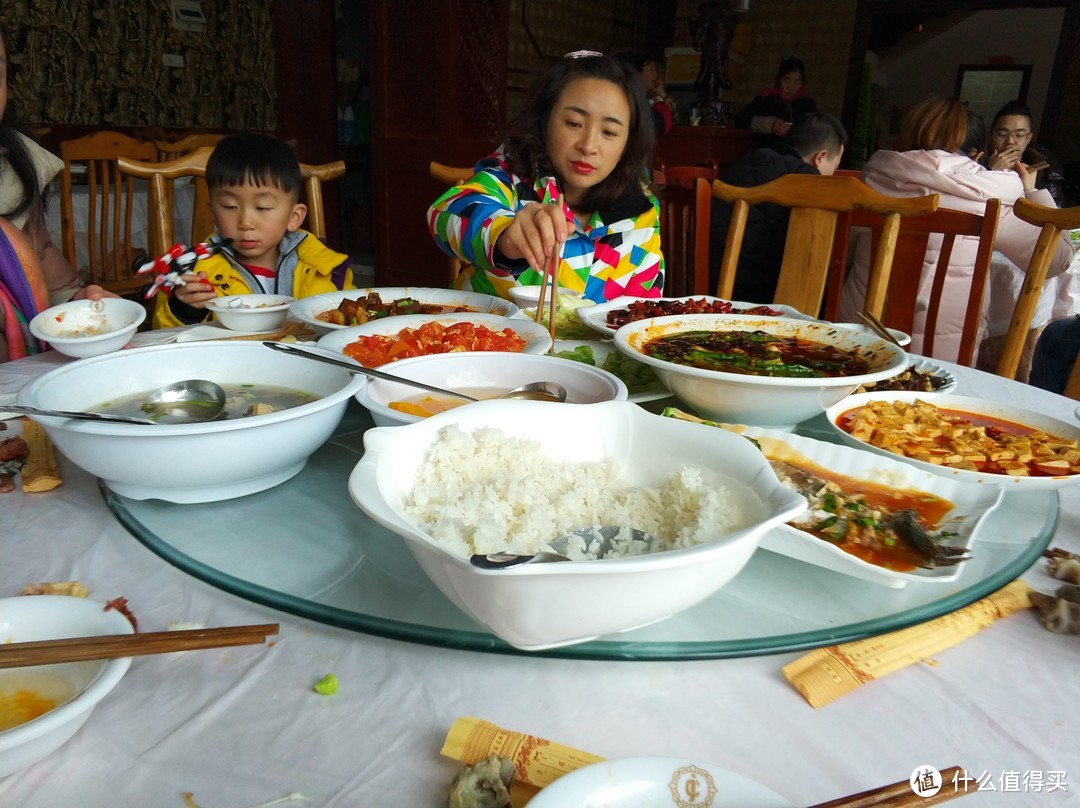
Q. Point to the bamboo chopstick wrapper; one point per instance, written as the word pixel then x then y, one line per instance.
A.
pixel 40 472
pixel 827 673
pixel 539 762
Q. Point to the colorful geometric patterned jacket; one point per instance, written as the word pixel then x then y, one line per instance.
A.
pixel 617 252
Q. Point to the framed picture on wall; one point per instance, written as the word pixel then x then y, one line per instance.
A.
pixel 987 88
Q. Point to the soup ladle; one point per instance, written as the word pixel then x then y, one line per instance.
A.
pixel 536 391
pixel 185 402
pixel 80 416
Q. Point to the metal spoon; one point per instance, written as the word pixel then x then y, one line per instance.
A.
pixel 187 401
pixel 598 540
pixel 81 416
pixel 537 391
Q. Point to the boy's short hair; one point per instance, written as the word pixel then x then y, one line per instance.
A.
pixel 816 131
pixel 247 158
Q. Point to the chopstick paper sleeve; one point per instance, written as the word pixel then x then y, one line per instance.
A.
pixel 828 673
pixel 539 762
pixel 40 472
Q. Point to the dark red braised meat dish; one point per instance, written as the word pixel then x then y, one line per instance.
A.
pixel 643 309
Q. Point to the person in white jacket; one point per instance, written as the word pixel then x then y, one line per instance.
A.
pixel 928 160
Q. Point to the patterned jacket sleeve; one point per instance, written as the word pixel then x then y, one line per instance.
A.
pixel 468 219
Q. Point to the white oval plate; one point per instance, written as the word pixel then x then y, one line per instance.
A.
pixel 656 781
pixel 601 349
pixel 971 504
pixel 306 308
pixel 537 339
pixel 596 316
pixel 976 406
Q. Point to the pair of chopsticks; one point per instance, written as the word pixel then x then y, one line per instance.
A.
pixel 549 276
pixel 900 794
pixel 115 646
pixel 1038 166
pixel 878 327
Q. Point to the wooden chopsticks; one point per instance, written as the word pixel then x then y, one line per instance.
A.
pixel 114 646
pixel 1038 166
pixel 878 327
pixel 900 794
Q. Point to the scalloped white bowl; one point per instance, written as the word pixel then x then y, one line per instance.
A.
pixel 51 617
pixel 769 401
pixel 547 605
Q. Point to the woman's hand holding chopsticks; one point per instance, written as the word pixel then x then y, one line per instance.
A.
pixel 535 234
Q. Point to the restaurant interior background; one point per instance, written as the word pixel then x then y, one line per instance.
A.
pixel 390 86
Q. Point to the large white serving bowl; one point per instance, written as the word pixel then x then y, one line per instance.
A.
pixel 471 372
pixel 536 336
pixel 251 312
pixel 774 402
pixel 54 617
pixel 546 605
pixel 306 308
pixel 114 326
pixel 191 462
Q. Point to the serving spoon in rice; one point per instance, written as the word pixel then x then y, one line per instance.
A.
pixel 595 543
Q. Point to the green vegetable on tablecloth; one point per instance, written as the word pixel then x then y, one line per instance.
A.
pixel 327 686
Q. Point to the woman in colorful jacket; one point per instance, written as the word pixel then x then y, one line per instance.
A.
pixel 568 178
pixel 930 160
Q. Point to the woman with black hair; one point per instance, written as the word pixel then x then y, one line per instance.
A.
pixel 772 112
pixel 569 177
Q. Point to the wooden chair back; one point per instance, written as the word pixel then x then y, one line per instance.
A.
pixel 1052 222
pixel 816 204
pixel 193 164
pixel 708 172
pixel 448 175
pixel 171 149
pixel 110 201
pixel 909 256
pixel 684 237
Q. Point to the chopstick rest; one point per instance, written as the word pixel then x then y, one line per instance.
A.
pixel 114 646
pixel 827 673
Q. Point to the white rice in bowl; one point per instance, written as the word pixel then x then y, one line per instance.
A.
pixel 484 492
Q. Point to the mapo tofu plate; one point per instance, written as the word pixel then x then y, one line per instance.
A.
pixel 963 438
pixel 857 525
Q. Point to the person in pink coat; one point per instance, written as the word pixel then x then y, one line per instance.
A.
pixel 929 160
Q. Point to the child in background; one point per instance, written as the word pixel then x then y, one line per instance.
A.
pixel 254 184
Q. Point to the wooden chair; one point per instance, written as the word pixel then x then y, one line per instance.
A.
pixel 908 259
pixel 817 204
pixel 448 175
pixel 1052 221
pixel 193 164
pixel 708 172
pixel 110 199
pixel 684 237
pixel 171 149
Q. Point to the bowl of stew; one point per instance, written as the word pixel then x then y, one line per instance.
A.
pixel 279 409
pixel 762 371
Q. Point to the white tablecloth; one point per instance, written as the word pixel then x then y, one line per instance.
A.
pixel 239 727
pixel 183 200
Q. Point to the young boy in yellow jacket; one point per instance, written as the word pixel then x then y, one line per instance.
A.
pixel 254 184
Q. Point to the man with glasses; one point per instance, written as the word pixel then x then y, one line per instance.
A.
pixel 1010 143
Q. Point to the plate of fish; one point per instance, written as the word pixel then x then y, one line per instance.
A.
pixel 640 380
pixel 608 317
pixel 962 438
pixel 874 518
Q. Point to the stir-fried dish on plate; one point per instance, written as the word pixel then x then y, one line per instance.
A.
pixel 372 307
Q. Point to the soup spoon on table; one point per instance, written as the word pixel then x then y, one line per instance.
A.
pixel 534 391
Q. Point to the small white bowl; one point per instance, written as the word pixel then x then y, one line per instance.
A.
pixel 898 335
pixel 76 329
pixel 526 297
pixel 547 605
pixel 51 617
pixel 769 401
pixel 255 313
pixel 536 336
pixel 471 371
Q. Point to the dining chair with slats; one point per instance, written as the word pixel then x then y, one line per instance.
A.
pixel 450 175
pixel 817 204
pixel 902 300
pixel 91 168
pixel 684 236
pixel 193 164
pixel 1051 221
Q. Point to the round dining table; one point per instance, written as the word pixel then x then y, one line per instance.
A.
pixel 242 727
